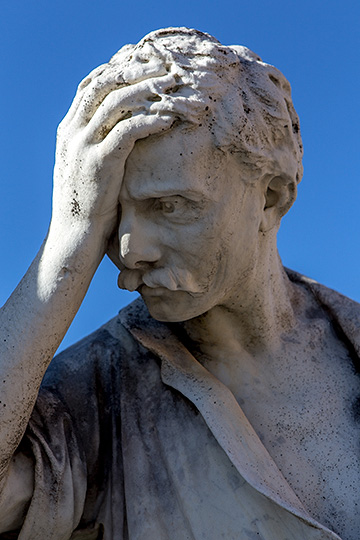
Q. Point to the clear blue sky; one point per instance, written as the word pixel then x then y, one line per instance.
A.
pixel 47 47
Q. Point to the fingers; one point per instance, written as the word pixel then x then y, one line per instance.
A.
pixel 94 73
pixel 123 103
pixel 80 92
pixel 123 136
pixel 88 99
pixel 101 82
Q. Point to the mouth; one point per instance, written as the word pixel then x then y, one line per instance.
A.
pixel 147 291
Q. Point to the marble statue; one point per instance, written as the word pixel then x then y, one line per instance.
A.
pixel 223 403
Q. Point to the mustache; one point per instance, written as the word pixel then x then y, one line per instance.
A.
pixel 173 279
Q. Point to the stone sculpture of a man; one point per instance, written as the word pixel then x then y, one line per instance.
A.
pixel 223 406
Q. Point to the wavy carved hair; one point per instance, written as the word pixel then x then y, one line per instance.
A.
pixel 245 102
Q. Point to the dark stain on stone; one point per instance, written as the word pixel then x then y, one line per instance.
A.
pixel 75 207
pixel 356 409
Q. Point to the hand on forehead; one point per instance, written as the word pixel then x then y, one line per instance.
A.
pixel 245 102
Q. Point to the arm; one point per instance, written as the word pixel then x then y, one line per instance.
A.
pixel 94 141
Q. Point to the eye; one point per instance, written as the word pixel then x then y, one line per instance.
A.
pixel 177 209
pixel 167 207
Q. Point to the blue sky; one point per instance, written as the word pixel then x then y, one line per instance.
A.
pixel 47 47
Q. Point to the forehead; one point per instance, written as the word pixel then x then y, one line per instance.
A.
pixel 176 162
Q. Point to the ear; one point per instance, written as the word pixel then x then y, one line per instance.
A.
pixel 280 194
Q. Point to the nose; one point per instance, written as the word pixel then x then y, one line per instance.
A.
pixel 138 243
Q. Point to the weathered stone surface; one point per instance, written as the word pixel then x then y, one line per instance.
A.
pixel 224 404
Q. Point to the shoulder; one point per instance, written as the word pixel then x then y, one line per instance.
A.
pixel 93 366
pixel 86 379
pixel 93 356
pixel 343 311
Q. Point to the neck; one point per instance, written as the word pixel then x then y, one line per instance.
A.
pixel 254 317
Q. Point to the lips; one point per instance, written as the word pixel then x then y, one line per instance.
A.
pixel 146 291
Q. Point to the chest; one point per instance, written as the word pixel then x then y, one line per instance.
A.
pixel 305 412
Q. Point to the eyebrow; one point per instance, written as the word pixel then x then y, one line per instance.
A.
pixel 159 193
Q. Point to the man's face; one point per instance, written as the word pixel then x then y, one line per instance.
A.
pixel 189 228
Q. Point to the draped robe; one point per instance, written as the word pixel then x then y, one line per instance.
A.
pixel 133 439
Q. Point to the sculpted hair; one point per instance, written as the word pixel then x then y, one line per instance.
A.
pixel 245 103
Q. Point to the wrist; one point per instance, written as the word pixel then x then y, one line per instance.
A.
pixel 79 246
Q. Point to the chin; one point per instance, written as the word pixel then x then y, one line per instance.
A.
pixel 182 307
pixel 165 313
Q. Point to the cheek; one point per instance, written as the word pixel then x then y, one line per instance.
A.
pixel 187 242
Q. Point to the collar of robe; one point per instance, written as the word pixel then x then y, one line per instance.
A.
pixel 218 406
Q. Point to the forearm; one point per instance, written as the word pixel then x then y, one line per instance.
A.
pixel 34 321
pixel 94 141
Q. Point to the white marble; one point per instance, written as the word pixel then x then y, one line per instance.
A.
pixel 179 158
